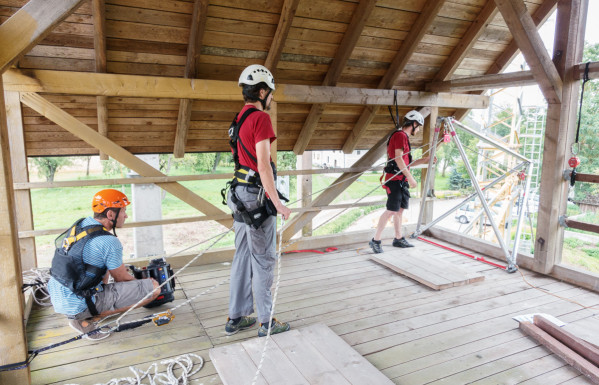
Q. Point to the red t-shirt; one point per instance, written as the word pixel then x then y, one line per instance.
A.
pixel 399 141
pixel 256 128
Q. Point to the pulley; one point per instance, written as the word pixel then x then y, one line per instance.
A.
pixel 164 318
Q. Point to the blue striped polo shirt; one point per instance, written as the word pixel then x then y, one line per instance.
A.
pixel 100 251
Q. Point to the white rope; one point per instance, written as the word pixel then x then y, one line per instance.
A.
pixel 38 277
pixel 155 377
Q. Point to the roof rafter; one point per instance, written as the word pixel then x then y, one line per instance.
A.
pixel 29 25
pixel 99 19
pixel 510 79
pixel 409 45
pixel 539 17
pixel 346 47
pixel 458 54
pixel 529 41
pixel 278 41
pixel 196 33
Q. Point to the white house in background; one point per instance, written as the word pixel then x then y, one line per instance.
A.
pixel 335 159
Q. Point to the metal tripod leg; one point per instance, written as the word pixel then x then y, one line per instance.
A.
pixel 430 170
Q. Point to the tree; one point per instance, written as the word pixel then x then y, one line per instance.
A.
pixel 286 160
pixel 48 166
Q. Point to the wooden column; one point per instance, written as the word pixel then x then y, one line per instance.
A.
pixel 305 188
pixel 20 174
pixel 273 118
pixel 14 343
pixel 427 136
pixel 559 134
pixel 98 14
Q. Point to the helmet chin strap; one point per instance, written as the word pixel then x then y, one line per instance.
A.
pixel 263 101
pixel 117 212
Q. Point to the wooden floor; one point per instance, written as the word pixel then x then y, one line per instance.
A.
pixel 413 334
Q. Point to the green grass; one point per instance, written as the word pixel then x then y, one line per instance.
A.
pixel 577 252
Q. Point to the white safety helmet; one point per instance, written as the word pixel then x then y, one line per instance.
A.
pixel 414 116
pixel 255 74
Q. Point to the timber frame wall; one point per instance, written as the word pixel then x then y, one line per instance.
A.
pixel 557 78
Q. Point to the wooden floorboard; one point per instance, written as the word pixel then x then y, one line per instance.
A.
pixel 411 333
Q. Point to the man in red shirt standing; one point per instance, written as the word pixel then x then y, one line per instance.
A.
pixel 255 226
pixel 398 179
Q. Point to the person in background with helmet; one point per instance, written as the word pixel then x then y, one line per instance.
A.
pixel 255 254
pixel 87 255
pixel 398 179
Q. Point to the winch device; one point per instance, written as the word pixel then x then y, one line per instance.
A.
pixel 161 272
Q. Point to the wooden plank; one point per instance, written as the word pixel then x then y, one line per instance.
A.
pixel 194 48
pixel 561 350
pixel 346 360
pixel 30 25
pixel 345 49
pixel 276 368
pixel 310 362
pixel 14 343
pixel 529 41
pixel 92 137
pixel 20 174
pixel 408 46
pixel 235 365
pixel 587 350
pixel 280 37
pixel 81 83
pixel 404 266
pixel 582 226
pixel 458 54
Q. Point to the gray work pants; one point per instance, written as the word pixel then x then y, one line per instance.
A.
pixel 254 261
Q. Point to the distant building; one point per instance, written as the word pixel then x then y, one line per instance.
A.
pixel 335 159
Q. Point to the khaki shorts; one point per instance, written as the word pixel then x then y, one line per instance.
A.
pixel 118 295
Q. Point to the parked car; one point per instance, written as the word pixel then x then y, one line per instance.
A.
pixel 465 214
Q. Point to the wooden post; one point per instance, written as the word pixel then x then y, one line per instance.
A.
pixel 14 343
pixel 427 136
pixel 273 118
pixel 559 135
pixel 305 188
pixel 20 174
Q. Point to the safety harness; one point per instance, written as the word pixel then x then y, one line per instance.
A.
pixel 247 176
pixel 392 167
pixel 68 266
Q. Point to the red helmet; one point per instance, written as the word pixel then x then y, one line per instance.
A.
pixel 109 198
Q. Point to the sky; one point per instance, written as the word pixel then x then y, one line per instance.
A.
pixel 531 95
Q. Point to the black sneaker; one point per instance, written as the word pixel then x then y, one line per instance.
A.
pixel 242 323
pixel 401 242
pixel 376 246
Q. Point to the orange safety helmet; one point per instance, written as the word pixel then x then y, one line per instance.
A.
pixel 109 198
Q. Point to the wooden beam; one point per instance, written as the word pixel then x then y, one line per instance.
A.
pixel 278 41
pixel 90 136
pixel 20 174
pixel 14 338
pixel 304 188
pixel 591 178
pixel 346 47
pixel 564 352
pixel 478 26
pixel 88 83
pixel 529 41
pixel 560 130
pixel 272 112
pixel 29 25
pixel 99 18
pixel 485 82
pixel 427 137
pixel 194 47
pixel 585 226
pixel 343 182
pixel 408 46
pixel 593 70
pixel 511 51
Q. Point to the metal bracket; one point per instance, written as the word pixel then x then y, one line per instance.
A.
pixel 562 220
pixel 566 174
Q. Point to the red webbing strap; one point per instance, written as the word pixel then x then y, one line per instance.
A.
pixel 462 253
pixel 327 250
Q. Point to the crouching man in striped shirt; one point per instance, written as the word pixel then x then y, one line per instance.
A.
pixel 86 255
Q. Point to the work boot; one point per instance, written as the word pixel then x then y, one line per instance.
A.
pixel 376 246
pixel 277 327
pixel 401 242
pixel 86 326
pixel 241 323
